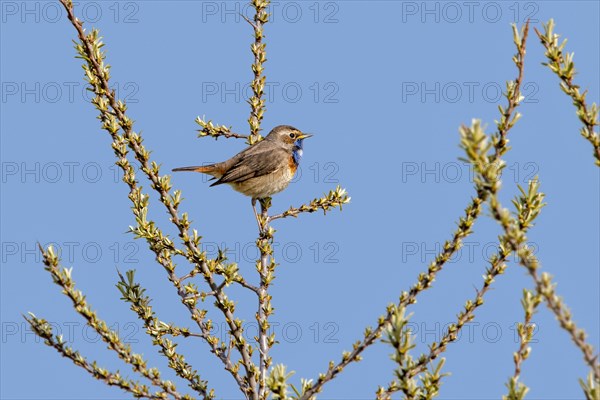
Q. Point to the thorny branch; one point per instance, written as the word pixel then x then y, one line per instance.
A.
pixel 517 390
pixel 62 277
pixel 425 280
pixel 255 382
pixel 44 330
pixel 257 103
pixel 208 129
pixel 134 294
pixel 544 285
pixel 563 66
pixel 98 76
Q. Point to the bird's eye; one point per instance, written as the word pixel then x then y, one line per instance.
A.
pixel 293 135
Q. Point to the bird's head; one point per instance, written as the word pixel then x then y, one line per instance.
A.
pixel 288 136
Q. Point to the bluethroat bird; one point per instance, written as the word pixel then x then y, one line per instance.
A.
pixel 260 170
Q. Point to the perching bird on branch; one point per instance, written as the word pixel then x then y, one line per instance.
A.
pixel 263 169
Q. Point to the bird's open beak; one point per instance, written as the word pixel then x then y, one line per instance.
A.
pixel 305 135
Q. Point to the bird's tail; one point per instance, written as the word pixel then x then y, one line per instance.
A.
pixel 203 168
pixel 212 170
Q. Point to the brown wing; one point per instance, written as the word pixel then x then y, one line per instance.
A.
pixel 251 165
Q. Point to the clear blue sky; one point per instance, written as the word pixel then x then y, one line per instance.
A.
pixel 384 87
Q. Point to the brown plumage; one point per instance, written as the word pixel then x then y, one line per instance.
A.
pixel 263 169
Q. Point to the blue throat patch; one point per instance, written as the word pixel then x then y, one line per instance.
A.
pixel 297 151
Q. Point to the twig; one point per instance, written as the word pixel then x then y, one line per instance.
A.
pixel 497 267
pixel 43 329
pixel 472 212
pixel 545 287
pixel 515 238
pixel 467 315
pixel 543 284
pixel 208 129
pixel 424 281
pixel 266 270
pixel 252 24
pixel 525 330
pixel 62 277
pixel 563 66
pixel 134 294
pixel 335 198
pixel 517 390
pixel 266 265
pixel 90 50
pixel 245 284
pixel 257 103
pixel 506 120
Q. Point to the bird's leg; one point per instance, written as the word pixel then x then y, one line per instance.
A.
pixel 256 214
